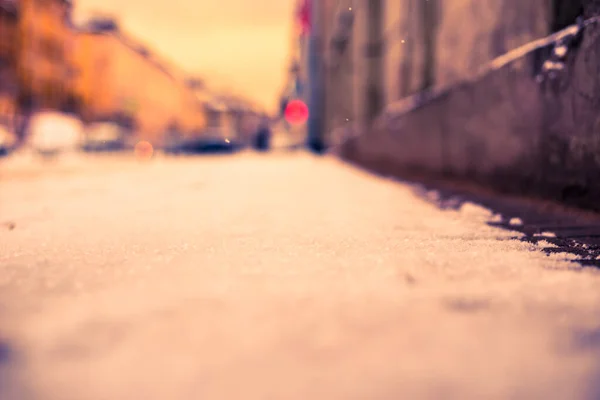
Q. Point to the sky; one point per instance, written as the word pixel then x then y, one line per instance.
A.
pixel 241 45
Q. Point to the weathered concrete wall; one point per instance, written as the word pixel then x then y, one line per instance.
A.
pixel 406 48
pixel 499 125
pixel 339 101
pixel 438 42
pixel 505 127
pixel 422 44
pixel 359 71
pixel 470 33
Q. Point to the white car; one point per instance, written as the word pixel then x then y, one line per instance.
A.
pixel 52 132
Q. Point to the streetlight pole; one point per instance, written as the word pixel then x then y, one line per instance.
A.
pixel 316 92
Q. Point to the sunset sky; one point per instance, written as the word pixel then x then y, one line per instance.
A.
pixel 240 44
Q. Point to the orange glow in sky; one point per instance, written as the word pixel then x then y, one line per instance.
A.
pixel 237 44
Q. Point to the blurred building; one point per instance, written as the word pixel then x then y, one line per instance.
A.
pixel 44 60
pixel 295 85
pixel 119 78
pixel 9 28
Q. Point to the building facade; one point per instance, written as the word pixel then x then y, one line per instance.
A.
pixel 45 74
pixel 120 78
pixel 295 84
pixel 9 27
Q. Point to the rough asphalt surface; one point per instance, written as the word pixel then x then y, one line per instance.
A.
pixel 278 276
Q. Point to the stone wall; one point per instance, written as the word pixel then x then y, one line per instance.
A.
pixel 423 44
pixel 516 126
pixel 436 42
pixel 338 70
pixel 470 33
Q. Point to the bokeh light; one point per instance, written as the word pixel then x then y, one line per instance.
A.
pixel 144 150
pixel 296 112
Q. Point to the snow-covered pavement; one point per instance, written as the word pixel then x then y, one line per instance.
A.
pixel 278 276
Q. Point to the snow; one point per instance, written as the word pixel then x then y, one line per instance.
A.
pixel 546 244
pixel 257 269
pixel 497 218
pixel 476 212
pixel 515 222
pixel 433 195
pixel 545 234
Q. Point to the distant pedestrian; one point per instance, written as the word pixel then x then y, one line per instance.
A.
pixel 263 135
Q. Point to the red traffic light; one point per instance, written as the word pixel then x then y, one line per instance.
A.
pixel 296 112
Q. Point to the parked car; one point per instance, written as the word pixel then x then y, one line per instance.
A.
pixel 50 133
pixel 105 136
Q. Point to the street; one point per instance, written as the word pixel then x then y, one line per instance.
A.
pixel 275 276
